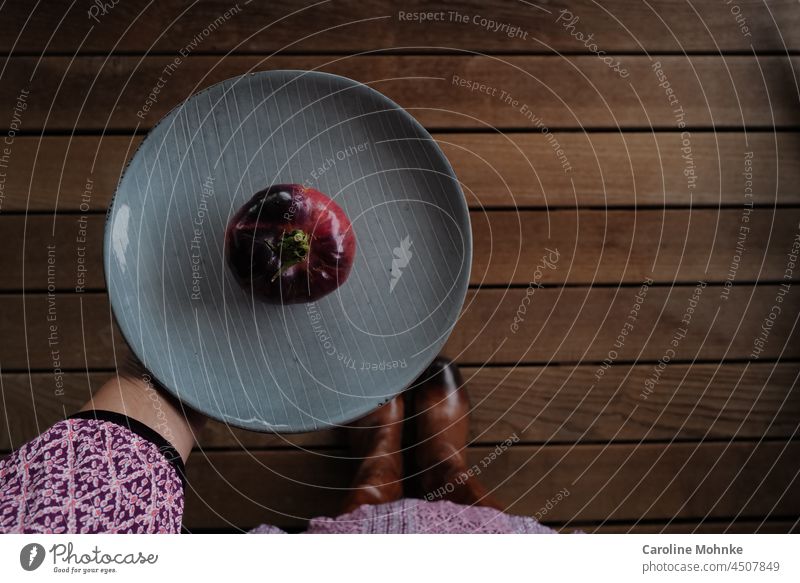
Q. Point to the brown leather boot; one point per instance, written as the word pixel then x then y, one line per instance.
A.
pixel 377 440
pixel 441 410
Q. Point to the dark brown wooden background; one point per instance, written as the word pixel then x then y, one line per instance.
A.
pixel 714 448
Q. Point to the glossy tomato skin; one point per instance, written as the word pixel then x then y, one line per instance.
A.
pixel 290 244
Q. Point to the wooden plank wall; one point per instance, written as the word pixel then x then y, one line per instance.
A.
pixel 681 168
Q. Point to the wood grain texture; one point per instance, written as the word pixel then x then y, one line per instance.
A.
pixel 580 324
pixel 617 25
pixel 624 169
pixel 80 173
pixel 618 482
pixel 589 246
pixel 544 93
pixel 573 324
pixel 539 405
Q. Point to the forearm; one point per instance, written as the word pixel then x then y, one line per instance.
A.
pixel 135 394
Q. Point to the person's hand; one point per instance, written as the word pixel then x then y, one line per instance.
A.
pixel 133 392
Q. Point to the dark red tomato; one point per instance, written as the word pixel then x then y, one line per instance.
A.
pixel 290 244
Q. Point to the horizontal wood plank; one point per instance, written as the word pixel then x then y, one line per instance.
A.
pixel 80 173
pixel 65 252
pixel 624 169
pixel 580 324
pixel 544 93
pixel 222 26
pixel 571 324
pixel 552 404
pixel 619 482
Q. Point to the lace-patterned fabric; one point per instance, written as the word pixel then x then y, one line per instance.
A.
pixel 89 476
pixel 410 516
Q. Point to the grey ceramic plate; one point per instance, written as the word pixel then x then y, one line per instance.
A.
pixel 298 367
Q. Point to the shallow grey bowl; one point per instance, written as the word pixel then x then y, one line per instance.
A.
pixel 298 367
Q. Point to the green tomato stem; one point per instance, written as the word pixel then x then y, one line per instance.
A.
pixel 293 249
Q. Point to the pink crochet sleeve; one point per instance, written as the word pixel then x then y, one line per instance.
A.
pixel 86 475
